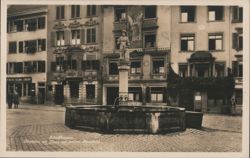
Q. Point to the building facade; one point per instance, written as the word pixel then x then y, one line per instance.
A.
pixel 148 28
pixel 75 48
pixel 27 52
pixel 205 41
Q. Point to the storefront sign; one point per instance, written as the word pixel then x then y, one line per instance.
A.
pixel 19 79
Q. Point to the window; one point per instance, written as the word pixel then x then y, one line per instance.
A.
pixel 60 38
pixel 90 91
pixel 120 14
pixel 183 70
pixel 59 12
pixel 238 96
pixel 187 42
pixel 41 66
pixel 215 13
pixel 60 64
pixel 237 14
pixel 237 69
pixel 91 10
pixel 158 67
pixel 11 26
pixel 71 64
pixel 215 42
pixel 90 65
pixel 75 11
pixel 113 68
pixel 135 67
pixel 188 13
pixel 30 25
pixel 30 46
pixel 134 94
pixel 219 69
pixel 156 94
pixel 12 47
pixel 238 41
pixel 150 40
pixel 41 45
pixel 150 12
pixel 31 89
pixel 41 23
pixel 75 37
pixel 19 25
pixel 20 46
pixel 91 35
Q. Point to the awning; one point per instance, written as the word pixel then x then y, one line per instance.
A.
pixel 201 56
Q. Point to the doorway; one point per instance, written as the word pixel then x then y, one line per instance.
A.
pixel 59 98
pixel 41 95
pixel 112 94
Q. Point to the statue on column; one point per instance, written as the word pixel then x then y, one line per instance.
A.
pixel 124 43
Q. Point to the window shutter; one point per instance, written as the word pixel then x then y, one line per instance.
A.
pixel 148 98
pixel 53 39
pixel 67 37
pixel 235 68
pixel 235 41
pixel 82 36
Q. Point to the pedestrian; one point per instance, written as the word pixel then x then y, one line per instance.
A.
pixel 16 99
pixel 233 105
pixel 9 100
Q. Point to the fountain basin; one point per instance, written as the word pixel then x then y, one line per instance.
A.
pixel 142 119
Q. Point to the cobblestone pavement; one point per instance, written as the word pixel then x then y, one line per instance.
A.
pixel 41 128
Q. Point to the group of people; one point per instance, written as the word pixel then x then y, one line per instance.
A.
pixel 13 98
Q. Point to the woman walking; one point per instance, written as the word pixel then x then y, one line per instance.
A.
pixel 16 99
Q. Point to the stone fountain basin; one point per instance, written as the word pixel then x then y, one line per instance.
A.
pixel 142 119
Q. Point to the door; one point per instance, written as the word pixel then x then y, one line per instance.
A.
pixel 59 98
pixel 112 95
pixel 41 95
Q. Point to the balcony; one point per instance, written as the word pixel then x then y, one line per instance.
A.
pixel 158 76
pixel 118 26
pixel 150 23
pixel 135 77
pixel 89 75
pixel 73 73
pixel 111 77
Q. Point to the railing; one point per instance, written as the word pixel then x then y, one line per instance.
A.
pixel 150 23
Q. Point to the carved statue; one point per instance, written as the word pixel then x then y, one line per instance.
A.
pixel 124 43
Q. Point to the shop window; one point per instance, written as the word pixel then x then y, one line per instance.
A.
pixel 91 10
pixel 41 45
pixel 41 23
pixel 215 42
pixel 75 11
pixel 187 42
pixel 135 67
pixel 158 67
pixel 150 12
pixel 237 14
pixel 30 46
pixel 74 89
pixel 188 13
pixel 12 47
pixel 238 41
pixel 59 12
pixel 90 65
pixel 90 91
pixel 183 70
pixel 91 35
pixel 113 69
pixel 150 40
pixel 215 13
pixel 75 37
pixel 60 38
pixel 120 14
pixel 156 94
pixel 220 69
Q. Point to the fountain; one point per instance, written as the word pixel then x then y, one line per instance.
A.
pixel 125 117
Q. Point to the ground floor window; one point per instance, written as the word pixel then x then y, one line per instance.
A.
pixel 74 89
pixel 23 88
pixel 90 91
pixel 134 93
pixel 156 94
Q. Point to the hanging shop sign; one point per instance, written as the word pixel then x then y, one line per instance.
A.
pixel 19 79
